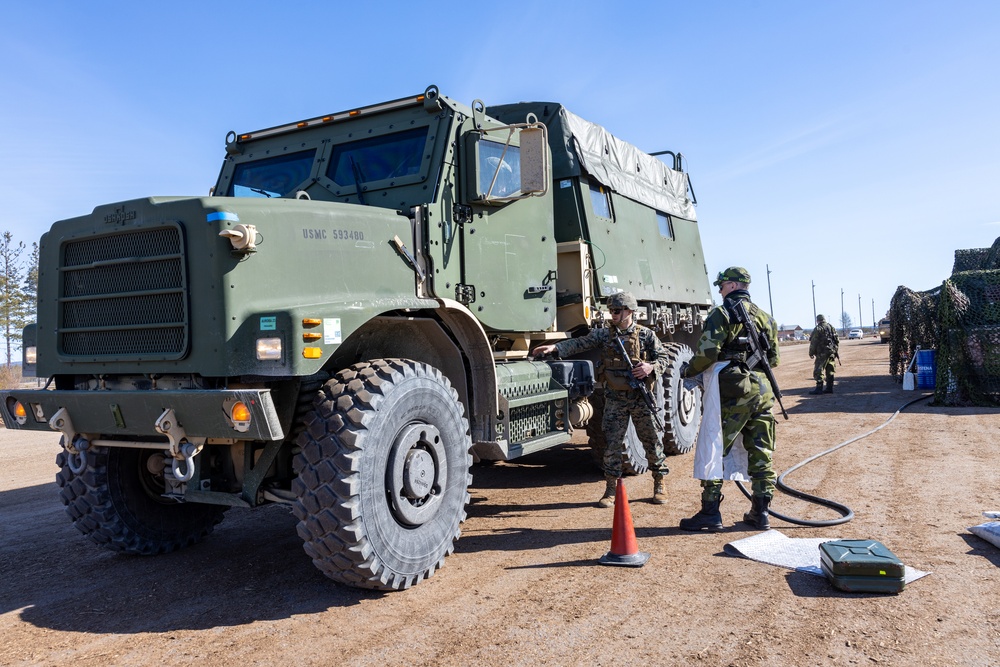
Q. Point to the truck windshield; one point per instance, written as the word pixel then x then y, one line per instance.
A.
pixel 272 177
pixel 378 158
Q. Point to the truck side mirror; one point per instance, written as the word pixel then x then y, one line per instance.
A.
pixel 534 160
pixel 508 163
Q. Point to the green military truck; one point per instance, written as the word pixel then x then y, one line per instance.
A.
pixel 344 326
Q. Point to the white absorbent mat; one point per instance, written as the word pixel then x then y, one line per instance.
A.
pixel 796 553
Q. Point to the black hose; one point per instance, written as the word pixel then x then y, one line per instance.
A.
pixel 846 513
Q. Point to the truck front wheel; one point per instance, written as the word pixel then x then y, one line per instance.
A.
pixel 117 502
pixel 383 475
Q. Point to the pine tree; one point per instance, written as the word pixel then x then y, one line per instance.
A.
pixel 13 298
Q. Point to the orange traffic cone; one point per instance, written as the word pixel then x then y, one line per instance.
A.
pixel 624 548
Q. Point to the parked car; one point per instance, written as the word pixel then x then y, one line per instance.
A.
pixel 855 333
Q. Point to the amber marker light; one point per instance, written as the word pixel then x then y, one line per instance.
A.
pixel 311 336
pixel 17 409
pixel 312 352
pixel 240 416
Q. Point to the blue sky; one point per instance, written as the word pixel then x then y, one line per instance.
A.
pixel 851 144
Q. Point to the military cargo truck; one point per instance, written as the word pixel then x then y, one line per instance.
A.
pixel 883 330
pixel 344 326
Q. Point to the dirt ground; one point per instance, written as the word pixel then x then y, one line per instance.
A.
pixel 524 586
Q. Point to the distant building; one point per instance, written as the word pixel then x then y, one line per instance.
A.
pixel 791 333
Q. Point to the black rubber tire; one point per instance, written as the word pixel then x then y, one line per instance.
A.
pixel 682 414
pixel 358 520
pixel 634 456
pixel 116 502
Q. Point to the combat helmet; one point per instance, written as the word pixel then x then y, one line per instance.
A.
pixel 820 318
pixel 623 300
pixel 735 273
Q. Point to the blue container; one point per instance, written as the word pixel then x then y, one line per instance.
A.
pixel 926 369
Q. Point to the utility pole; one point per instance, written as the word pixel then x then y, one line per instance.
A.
pixel 842 311
pixel 861 323
pixel 769 302
pixel 874 321
pixel 814 302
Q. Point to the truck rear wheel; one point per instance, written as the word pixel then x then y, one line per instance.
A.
pixel 117 502
pixel 383 475
pixel 682 414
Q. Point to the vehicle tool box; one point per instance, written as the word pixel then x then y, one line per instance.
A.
pixel 861 566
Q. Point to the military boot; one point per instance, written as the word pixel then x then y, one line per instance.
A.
pixel 818 389
pixel 758 516
pixel 829 387
pixel 659 491
pixel 608 499
pixel 708 517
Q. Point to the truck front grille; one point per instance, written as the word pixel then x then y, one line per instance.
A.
pixel 124 296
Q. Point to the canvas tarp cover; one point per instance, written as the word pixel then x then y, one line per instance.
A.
pixel 588 147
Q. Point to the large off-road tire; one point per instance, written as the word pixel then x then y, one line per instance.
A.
pixel 383 475
pixel 117 502
pixel 682 414
pixel 634 456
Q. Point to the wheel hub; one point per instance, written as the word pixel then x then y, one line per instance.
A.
pixel 687 405
pixel 417 474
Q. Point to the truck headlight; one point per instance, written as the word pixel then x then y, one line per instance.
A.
pixel 268 349
pixel 30 354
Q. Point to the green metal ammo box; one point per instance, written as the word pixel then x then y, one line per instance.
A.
pixel 861 566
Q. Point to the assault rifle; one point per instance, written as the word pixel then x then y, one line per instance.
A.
pixel 639 385
pixel 759 347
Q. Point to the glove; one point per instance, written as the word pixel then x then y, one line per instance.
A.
pixel 684 369
pixel 811 356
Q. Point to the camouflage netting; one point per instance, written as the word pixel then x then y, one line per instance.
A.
pixel 961 321
pixel 913 317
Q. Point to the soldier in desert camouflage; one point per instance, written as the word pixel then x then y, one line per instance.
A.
pixel 621 401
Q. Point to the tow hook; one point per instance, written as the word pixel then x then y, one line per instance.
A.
pixel 182 449
pixel 77 459
pixel 75 444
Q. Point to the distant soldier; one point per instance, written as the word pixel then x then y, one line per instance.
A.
pixel 620 400
pixel 746 398
pixel 824 346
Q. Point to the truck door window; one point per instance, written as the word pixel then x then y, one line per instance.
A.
pixel 273 176
pixel 666 226
pixel 378 158
pixel 599 200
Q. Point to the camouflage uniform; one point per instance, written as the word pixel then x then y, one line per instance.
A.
pixel 746 396
pixel 824 344
pixel 620 400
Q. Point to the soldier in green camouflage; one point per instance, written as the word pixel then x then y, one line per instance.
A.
pixel 824 346
pixel 746 399
pixel 620 400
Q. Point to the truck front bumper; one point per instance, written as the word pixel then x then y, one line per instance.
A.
pixel 201 413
